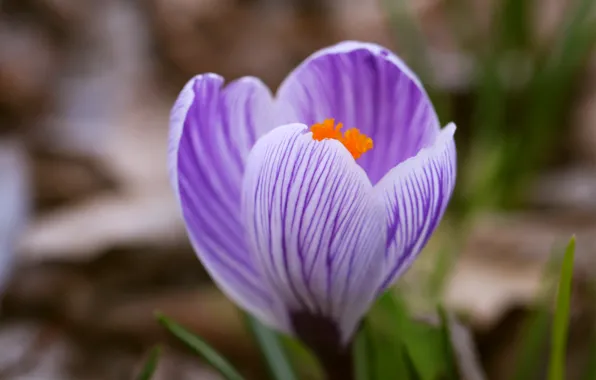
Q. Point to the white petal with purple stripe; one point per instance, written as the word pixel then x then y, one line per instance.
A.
pixel 416 194
pixel 314 225
pixel 364 86
pixel 212 130
pixel 284 223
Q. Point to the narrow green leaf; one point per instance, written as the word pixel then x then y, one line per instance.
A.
pixel 379 353
pixel 590 370
pixel 536 327
pixel 409 368
pixel 391 359
pixel 413 46
pixel 150 365
pixel 362 353
pixel 561 319
pixel 200 347
pixel 272 350
pixel 575 20
pixel 534 338
pixel 515 24
pixel 418 349
pixel 451 367
pixel 304 363
pixel 425 347
pixel 395 357
pixel 409 35
pixel 445 259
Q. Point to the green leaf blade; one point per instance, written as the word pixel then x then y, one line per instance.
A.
pixel 379 354
pixel 561 319
pixel 362 353
pixel 401 347
pixel 150 364
pixel 200 347
pixel 422 344
pixel 532 343
pixel 450 364
pixel 590 369
pixel 272 350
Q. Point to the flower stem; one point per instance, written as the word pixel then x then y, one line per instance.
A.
pixel 338 366
pixel 323 337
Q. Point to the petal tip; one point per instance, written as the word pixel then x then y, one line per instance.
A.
pixel 447 133
pixel 178 116
pixel 451 127
pixel 187 95
pixel 375 49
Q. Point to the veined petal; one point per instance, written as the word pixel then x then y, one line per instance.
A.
pixel 364 86
pixel 212 130
pixel 416 194
pixel 314 225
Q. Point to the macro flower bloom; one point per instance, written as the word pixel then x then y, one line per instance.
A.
pixel 312 201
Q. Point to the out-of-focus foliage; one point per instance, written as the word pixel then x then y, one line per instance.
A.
pixel 150 366
pixel 200 347
pixel 393 345
pixel 521 86
pixel 517 103
pixel 561 320
pixel 272 349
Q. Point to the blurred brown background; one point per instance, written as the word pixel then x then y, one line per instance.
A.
pixel 89 224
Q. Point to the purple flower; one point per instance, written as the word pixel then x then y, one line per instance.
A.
pixel 287 221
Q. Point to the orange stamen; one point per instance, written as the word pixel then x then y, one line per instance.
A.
pixel 355 142
pixel 326 130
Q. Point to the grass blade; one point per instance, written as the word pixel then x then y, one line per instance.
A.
pixel 590 370
pixel 396 357
pixel 417 347
pixel 534 338
pixel 362 353
pixel 379 354
pixel 451 368
pixel 150 365
pixel 515 24
pixel 536 327
pixel 272 349
pixel 200 347
pixel 409 36
pixel 561 321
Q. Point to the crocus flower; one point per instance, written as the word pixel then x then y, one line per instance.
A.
pixel 307 205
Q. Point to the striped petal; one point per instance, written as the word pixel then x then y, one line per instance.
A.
pixel 212 130
pixel 416 194
pixel 314 225
pixel 365 86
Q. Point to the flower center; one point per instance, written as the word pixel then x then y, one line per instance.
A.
pixel 355 142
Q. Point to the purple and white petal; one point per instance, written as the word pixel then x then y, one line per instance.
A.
pixel 365 86
pixel 416 194
pixel 212 130
pixel 314 224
